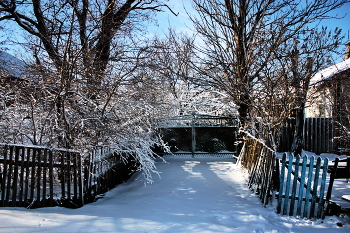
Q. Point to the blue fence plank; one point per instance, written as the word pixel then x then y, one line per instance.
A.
pixel 286 198
pixel 301 187
pixel 294 188
pixel 323 187
pixel 306 205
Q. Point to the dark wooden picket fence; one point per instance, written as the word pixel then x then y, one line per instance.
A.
pixel 33 177
pixel 319 135
pixel 104 169
pixel 302 187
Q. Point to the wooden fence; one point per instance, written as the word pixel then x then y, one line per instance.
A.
pixel 33 177
pixel 304 185
pixel 319 135
pixel 259 160
pixel 103 170
pixel 303 194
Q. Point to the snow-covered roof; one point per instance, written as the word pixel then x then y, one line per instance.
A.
pixel 330 72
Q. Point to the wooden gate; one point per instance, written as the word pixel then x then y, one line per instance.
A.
pixel 303 194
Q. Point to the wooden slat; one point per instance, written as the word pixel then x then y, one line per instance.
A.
pixel 9 175
pixel 4 176
pixel 315 186
pixel 294 188
pixel 16 151
pixel 21 180
pixel 38 179
pixel 289 174
pixel 308 189
pixel 32 177
pixel 301 186
pixel 44 184
pixel 322 190
pixel 51 178
pixel 27 177
pixel 282 182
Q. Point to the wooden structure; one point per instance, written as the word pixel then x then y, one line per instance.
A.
pixel 259 160
pixel 197 133
pixel 304 185
pixel 33 177
pixel 320 135
pixel 303 194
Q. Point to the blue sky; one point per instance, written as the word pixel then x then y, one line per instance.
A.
pixel 182 24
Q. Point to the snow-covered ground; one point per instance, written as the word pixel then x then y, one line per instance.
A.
pixel 192 195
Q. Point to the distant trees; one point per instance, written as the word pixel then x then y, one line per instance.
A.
pixel 262 54
pixel 170 59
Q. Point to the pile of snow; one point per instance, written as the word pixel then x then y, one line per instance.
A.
pixel 192 195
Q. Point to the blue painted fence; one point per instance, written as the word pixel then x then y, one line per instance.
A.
pixel 302 186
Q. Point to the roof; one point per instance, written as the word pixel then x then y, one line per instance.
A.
pixel 330 72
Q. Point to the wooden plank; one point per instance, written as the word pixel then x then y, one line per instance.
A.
pixel 301 186
pixel 323 185
pixel 15 176
pixel 32 177
pixel 51 177
pixel 68 177
pixel 27 176
pixel 21 180
pixel 306 205
pixel 271 158
pixel 289 174
pixel 62 174
pixel 294 188
pixel 80 180
pixel 9 175
pixel 315 186
pixel 44 170
pixel 4 176
pixel 75 179
pixel 38 178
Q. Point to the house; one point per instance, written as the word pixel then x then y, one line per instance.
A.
pixel 328 100
pixel 329 92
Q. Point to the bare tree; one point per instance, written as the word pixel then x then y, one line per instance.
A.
pixel 244 41
pixel 85 55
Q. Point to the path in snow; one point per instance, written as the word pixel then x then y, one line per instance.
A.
pixel 192 195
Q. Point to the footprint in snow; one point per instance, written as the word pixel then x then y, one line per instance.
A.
pixel 225 220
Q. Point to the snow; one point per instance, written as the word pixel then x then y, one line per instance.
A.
pixel 191 195
pixel 330 71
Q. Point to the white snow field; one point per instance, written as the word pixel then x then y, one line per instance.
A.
pixel 192 195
